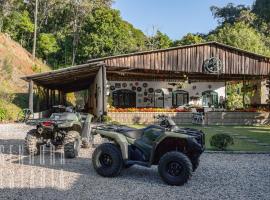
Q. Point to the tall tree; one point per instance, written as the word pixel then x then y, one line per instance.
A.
pixel 189 39
pixel 158 41
pixel 241 35
pixel 227 14
pixel 104 33
pixel 262 9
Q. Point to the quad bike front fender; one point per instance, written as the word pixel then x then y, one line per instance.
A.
pixel 119 139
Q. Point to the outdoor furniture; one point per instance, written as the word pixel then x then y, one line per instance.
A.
pixel 197 117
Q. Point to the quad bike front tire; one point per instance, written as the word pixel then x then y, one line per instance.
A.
pixel 175 168
pixel 31 145
pixel 72 143
pixel 107 160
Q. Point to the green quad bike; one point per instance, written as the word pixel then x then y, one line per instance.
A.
pixel 67 129
pixel 176 151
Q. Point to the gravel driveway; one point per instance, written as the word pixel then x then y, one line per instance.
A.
pixel 220 176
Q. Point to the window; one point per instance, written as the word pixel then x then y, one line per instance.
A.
pixel 124 98
pixel 210 98
pixel 180 98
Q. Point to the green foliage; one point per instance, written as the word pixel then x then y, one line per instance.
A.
pixel 234 97
pixel 262 9
pixel 105 33
pixel 106 118
pixel 71 32
pixel 47 44
pixel 19 26
pixel 221 141
pixel 227 14
pixel 3 114
pixel 159 41
pixel 242 36
pixel 189 39
pixel 36 68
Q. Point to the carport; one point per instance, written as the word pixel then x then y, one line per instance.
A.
pixel 56 84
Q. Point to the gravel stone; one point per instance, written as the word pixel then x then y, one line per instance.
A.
pixel 219 176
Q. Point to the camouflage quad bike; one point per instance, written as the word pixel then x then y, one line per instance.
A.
pixel 175 152
pixel 61 129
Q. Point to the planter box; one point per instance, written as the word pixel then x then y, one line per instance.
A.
pixel 211 118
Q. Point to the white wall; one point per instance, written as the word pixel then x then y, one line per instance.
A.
pixel 218 87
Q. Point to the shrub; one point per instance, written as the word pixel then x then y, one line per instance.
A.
pixel 106 118
pixel 3 114
pixel 221 141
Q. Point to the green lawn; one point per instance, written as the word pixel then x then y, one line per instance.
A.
pixel 260 133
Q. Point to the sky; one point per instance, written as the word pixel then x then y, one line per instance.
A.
pixel 176 18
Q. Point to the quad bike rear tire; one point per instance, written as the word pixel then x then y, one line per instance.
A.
pixel 175 168
pixel 107 160
pixel 31 145
pixel 72 144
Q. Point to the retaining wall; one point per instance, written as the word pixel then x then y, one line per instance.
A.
pixel 211 118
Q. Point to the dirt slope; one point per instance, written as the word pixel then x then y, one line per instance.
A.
pixel 15 62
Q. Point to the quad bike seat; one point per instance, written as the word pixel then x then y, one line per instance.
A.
pixel 132 133
pixel 138 133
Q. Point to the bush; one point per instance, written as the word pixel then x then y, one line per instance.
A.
pixel 106 118
pixel 3 114
pixel 221 141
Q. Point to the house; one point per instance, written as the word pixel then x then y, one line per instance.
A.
pixel 194 74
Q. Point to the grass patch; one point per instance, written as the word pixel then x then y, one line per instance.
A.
pixel 260 133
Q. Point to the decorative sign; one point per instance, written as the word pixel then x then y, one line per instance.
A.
pixel 212 65
pixel 145 85
pixel 124 85
pixel 150 90
pixel 139 89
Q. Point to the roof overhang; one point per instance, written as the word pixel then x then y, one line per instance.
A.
pixel 69 79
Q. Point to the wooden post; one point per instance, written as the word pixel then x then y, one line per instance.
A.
pixel 53 97
pixel 31 96
pixel 244 92
pixel 38 100
pixel 47 98
pixel 64 98
pixel 58 97
pixel 225 97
